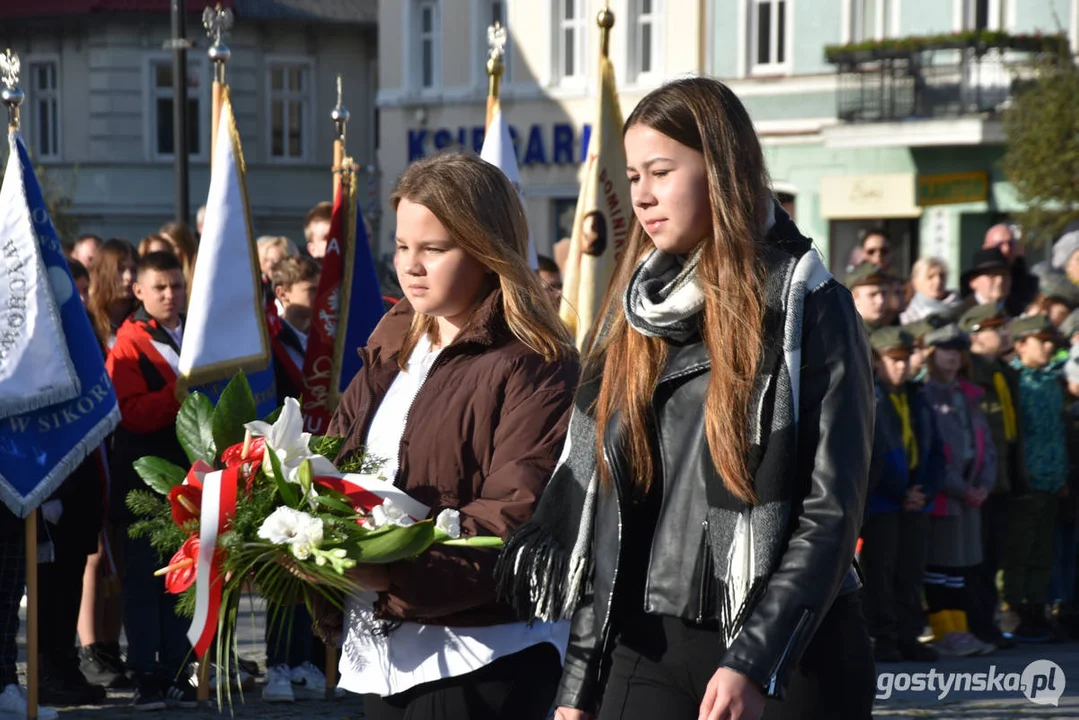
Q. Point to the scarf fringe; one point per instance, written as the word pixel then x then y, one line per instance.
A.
pixel 529 574
pixel 732 619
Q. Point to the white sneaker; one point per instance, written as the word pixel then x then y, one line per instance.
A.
pixel 13 704
pixel 309 682
pixel 278 688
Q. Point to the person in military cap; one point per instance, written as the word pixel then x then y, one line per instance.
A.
pixel 905 474
pixel 918 330
pixel 985 324
pixel 869 286
pixel 1028 560
pixel 955 536
pixel 1057 296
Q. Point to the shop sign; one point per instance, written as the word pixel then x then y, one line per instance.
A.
pixel 555 144
pixel 953 188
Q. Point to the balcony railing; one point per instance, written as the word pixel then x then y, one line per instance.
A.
pixel 926 78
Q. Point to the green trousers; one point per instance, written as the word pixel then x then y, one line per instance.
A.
pixel 1028 557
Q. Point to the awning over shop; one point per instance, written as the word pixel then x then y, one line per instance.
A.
pixel 857 197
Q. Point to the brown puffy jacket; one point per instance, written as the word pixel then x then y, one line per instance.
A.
pixel 482 436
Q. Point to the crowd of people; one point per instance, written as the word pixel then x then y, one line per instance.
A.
pixel 677 541
pixel 94 579
pixel 973 496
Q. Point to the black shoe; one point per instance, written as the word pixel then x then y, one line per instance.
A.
pixel 1032 625
pixel 55 691
pixel 886 652
pixel 101 664
pixel 249 666
pixel 148 695
pixel 996 637
pixel 917 652
pixel 181 694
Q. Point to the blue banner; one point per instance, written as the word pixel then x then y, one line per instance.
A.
pixel 365 304
pixel 39 449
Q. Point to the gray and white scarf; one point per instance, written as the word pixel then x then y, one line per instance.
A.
pixel 545 565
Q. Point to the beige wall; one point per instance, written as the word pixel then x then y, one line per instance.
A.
pixel 530 97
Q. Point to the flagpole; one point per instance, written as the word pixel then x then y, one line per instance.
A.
pixel 12 96
pixel 340 116
pixel 496 66
pixel 605 20
pixel 218 22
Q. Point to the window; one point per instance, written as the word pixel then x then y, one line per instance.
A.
pixel 871 19
pixel 768 36
pixel 570 42
pixel 290 109
pixel 427 34
pixel 44 115
pixel 983 14
pixel 493 11
pixel 645 38
pixel 162 138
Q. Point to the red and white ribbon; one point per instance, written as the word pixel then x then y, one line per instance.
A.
pixel 218 508
pixel 367 491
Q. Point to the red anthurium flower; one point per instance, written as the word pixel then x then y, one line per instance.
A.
pixel 185 502
pixel 197 472
pixel 233 456
pixel 184 564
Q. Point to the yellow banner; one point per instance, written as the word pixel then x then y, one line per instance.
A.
pixel 602 220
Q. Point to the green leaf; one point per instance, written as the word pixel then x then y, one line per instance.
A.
pixel 326 445
pixel 335 504
pixel 160 475
pixel 480 541
pixel 286 490
pixel 398 543
pixel 235 407
pixel 194 428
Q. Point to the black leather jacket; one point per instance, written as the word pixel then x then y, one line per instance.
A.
pixel 834 448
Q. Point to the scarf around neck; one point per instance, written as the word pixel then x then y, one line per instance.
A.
pixel 663 297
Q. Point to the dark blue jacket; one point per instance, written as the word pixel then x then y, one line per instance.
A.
pixel 889 475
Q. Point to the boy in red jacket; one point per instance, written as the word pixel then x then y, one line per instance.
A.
pixel 143 365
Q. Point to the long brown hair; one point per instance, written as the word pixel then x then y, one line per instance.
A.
pixel 482 212
pixel 705 115
pixel 105 285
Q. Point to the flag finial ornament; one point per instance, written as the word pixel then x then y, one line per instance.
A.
pixel 605 20
pixel 11 94
pixel 340 113
pixel 496 49
pixel 218 24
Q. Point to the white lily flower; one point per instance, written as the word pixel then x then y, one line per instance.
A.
pixel 286 526
pixel 290 444
pixel 449 522
pixel 387 513
pixel 301 551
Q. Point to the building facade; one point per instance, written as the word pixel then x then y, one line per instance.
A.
pixel 433 85
pixel 98 110
pixel 905 134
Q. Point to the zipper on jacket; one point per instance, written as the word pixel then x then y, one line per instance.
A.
pixel 705 553
pixel 659 514
pixel 806 614
pixel 408 413
pixel 605 632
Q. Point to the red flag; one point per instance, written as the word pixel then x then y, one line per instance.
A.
pixel 318 361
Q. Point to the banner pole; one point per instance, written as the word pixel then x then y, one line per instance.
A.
pixel 340 116
pixel 31 617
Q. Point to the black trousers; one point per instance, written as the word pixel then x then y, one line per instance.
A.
pixel 982 579
pixel 12 584
pixel 893 562
pixel 660 669
pixel 515 687
pixel 290 638
pixel 59 599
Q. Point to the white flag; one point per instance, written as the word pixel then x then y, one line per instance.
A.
pixel 35 365
pixel 226 322
pixel 498 150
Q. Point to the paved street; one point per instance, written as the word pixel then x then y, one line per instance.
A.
pixel 956 704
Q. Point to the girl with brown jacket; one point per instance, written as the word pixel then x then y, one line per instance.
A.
pixel 465 393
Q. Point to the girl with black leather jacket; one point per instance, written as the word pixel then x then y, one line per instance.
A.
pixel 700 527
